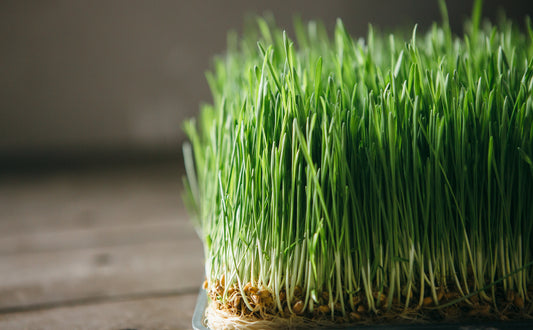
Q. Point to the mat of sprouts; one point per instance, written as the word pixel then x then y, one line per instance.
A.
pixel 386 179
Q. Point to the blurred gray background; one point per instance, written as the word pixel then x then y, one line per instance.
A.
pixel 104 80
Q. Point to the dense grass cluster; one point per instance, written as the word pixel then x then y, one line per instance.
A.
pixel 393 166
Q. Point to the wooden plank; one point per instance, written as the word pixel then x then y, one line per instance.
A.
pixel 153 313
pixel 90 199
pixel 72 243
pixel 51 277
pixel 113 235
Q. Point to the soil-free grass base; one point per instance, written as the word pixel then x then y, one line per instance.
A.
pixel 203 311
pixel 234 313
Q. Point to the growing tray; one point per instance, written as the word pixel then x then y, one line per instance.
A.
pixel 201 304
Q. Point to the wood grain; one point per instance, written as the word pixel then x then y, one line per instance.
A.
pixel 47 202
pixel 52 277
pixel 83 238
pixel 97 249
pixel 153 313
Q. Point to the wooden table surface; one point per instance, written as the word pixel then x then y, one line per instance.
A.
pixel 108 248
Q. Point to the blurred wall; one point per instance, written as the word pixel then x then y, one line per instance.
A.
pixel 80 77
